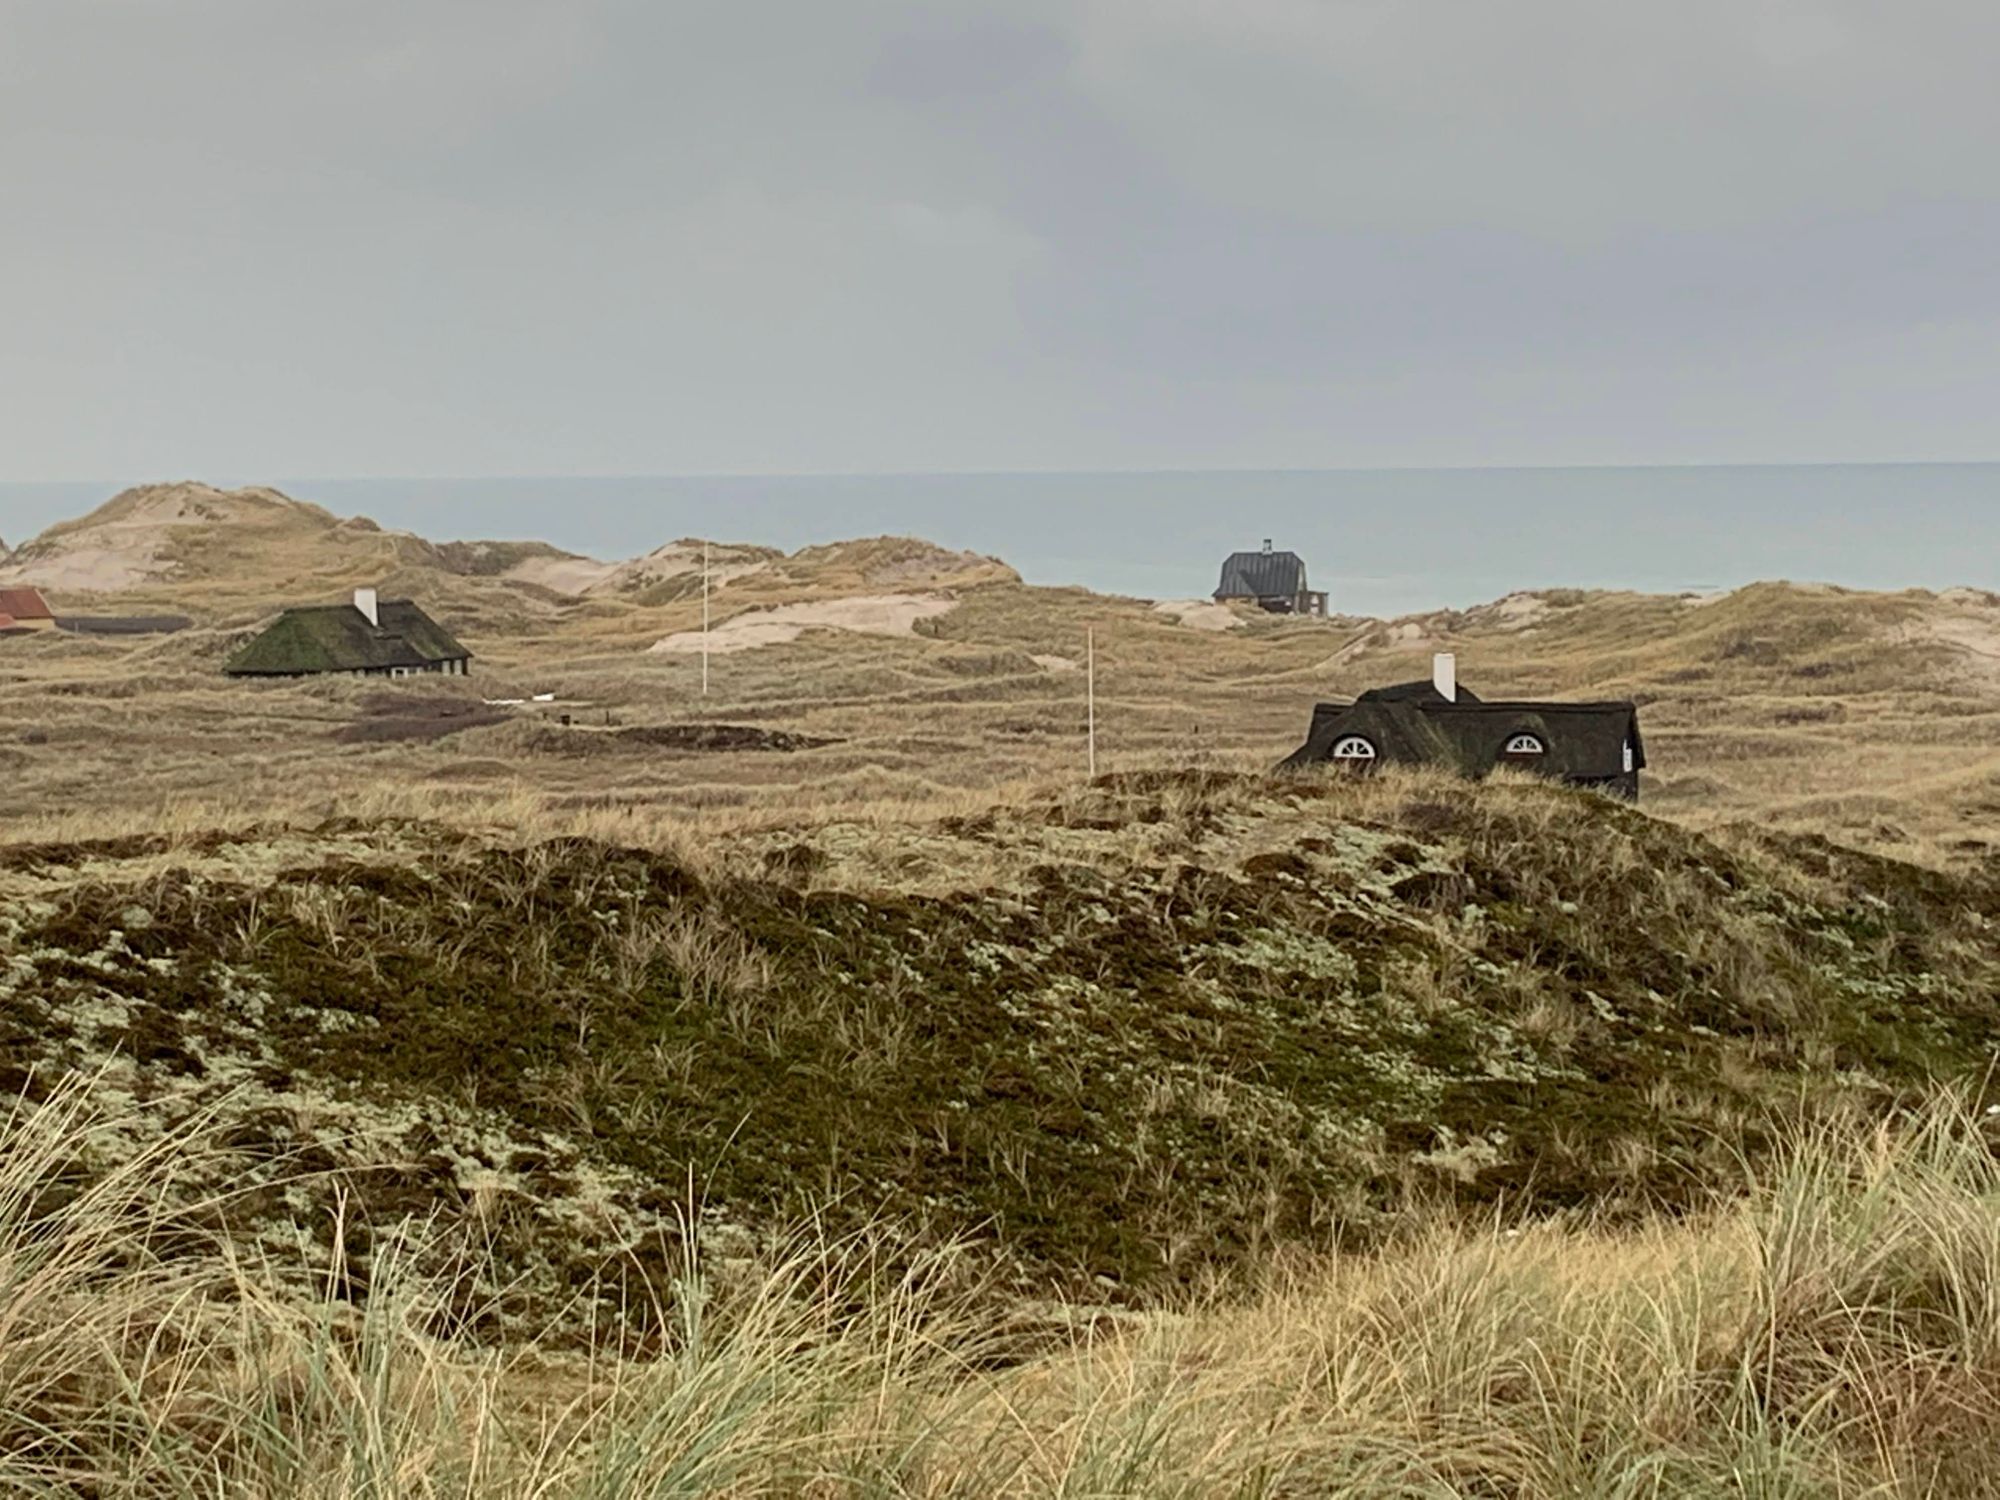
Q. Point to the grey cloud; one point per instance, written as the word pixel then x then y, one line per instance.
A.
pixel 943 60
pixel 625 235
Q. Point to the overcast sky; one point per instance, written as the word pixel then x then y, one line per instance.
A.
pixel 688 236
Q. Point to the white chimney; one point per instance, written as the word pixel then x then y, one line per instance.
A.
pixel 1444 673
pixel 364 600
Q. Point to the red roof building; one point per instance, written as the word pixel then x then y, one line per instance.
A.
pixel 29 609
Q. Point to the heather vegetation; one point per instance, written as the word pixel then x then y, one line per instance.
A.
pixel 1117 1045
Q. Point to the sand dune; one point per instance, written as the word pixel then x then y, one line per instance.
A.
pixel 1200 614
pixel 873 614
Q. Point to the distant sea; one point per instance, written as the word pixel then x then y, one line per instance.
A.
pixel 1382 541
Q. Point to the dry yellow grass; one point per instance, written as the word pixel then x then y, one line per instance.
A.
pixel 1836 1332
pixel 1871 718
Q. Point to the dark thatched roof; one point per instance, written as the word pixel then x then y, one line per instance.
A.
pixel 1582 741
pixel 338 638
pixel 1262 575
pixel 1423 690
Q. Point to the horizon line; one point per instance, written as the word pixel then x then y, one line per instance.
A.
pixel 1051 473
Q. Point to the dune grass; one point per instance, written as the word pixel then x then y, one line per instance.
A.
pixel 1836 1330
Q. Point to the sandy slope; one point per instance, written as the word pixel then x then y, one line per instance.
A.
pixel 130 540
pixel 1200 614
pixel 873 614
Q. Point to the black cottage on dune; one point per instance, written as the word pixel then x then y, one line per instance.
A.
pixel 366 638
pixel 1275 581
pixel 1438 723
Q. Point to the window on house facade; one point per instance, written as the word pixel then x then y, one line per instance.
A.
pixel 1525 748
pixel 1354 747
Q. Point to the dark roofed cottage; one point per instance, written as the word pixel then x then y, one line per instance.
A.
pixel 1437 723
pixel 392 638
pixel 1275 581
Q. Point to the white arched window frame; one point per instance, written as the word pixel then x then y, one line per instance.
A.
pixel 1353 747
pixel 1525 744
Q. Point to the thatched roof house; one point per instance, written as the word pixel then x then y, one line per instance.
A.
pixel 365 638
pixel 1437 723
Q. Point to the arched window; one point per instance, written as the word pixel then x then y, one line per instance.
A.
pixel 1526 744
pixel 1354 747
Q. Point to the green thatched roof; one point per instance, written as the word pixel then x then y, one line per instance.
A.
pixel 339 638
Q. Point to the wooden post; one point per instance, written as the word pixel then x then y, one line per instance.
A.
pixel 704 619
pixel 1090 679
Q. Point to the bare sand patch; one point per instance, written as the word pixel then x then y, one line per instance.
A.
pixel 1055 663
pixel 869 614
pixel 1519 611
pixel 101 569
pixel 1973 635
pixel 565 575
pixel 1200 614
pixel 1402 635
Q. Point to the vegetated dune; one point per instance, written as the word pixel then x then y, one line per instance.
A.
pixel 1113 1042
pixel 217 549
pixel 132 538
pixel 1867 717
pixel 229 545
pixel 679 568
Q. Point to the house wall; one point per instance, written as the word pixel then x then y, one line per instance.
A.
pixel 1280 604
pixel 453 668
pixel 457 667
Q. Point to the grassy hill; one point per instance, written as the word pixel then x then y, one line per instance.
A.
pixel 1120 1041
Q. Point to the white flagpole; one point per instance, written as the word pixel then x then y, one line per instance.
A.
pixel 1090 652
pixel 704 619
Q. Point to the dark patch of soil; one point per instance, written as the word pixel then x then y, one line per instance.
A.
pixel 690 738
pixel 390 717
